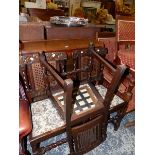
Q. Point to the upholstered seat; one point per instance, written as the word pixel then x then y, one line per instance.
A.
pixel 45 117
pixel 116 100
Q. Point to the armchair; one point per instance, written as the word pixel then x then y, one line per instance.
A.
pixel 76 100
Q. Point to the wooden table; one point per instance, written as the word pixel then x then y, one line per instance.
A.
pixel 56 45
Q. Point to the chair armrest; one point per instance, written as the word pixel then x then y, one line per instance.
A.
pixel 115 83
pixel 117 74
pixel 51 69
pixel 105 62
pixel 66 84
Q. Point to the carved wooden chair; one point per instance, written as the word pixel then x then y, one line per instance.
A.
pixel 76 101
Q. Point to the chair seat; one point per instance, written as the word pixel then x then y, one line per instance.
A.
pixel 46 118
pixel 127 57
pixel 116 100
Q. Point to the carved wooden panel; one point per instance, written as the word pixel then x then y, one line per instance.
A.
pixel 33 74
pixel 86 61
pixel 89 135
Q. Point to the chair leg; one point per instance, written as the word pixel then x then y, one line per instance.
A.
pixel 117 121
pixel 118 118
pixel 23 147
pixel 70 142
pixel 35 149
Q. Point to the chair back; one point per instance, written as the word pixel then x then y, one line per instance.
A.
pixel 32 74
pixel 125 30
pixel 125 41
pixel 89 135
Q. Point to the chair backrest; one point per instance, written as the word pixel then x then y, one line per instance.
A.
pixel 89 135
pixel 125 30
pixel 125 34
pixel 45 14
pixel 32 74
pixel 82 65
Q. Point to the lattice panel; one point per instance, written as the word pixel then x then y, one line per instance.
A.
pixel 126 30
pixel 38 76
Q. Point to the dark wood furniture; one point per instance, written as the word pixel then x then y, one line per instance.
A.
pixel 125 53
pixel 44 76
pixel 25 123
pixel 38 31
pixel 86 32
pixel 31 31
pixel 45 14
pixel 64 45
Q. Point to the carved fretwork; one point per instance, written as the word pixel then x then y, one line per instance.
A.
pixel 33 58
pixel 31 70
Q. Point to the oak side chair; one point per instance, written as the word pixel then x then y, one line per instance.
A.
pixel 72 98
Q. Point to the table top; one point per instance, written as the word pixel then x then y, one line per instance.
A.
pixel 56 45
